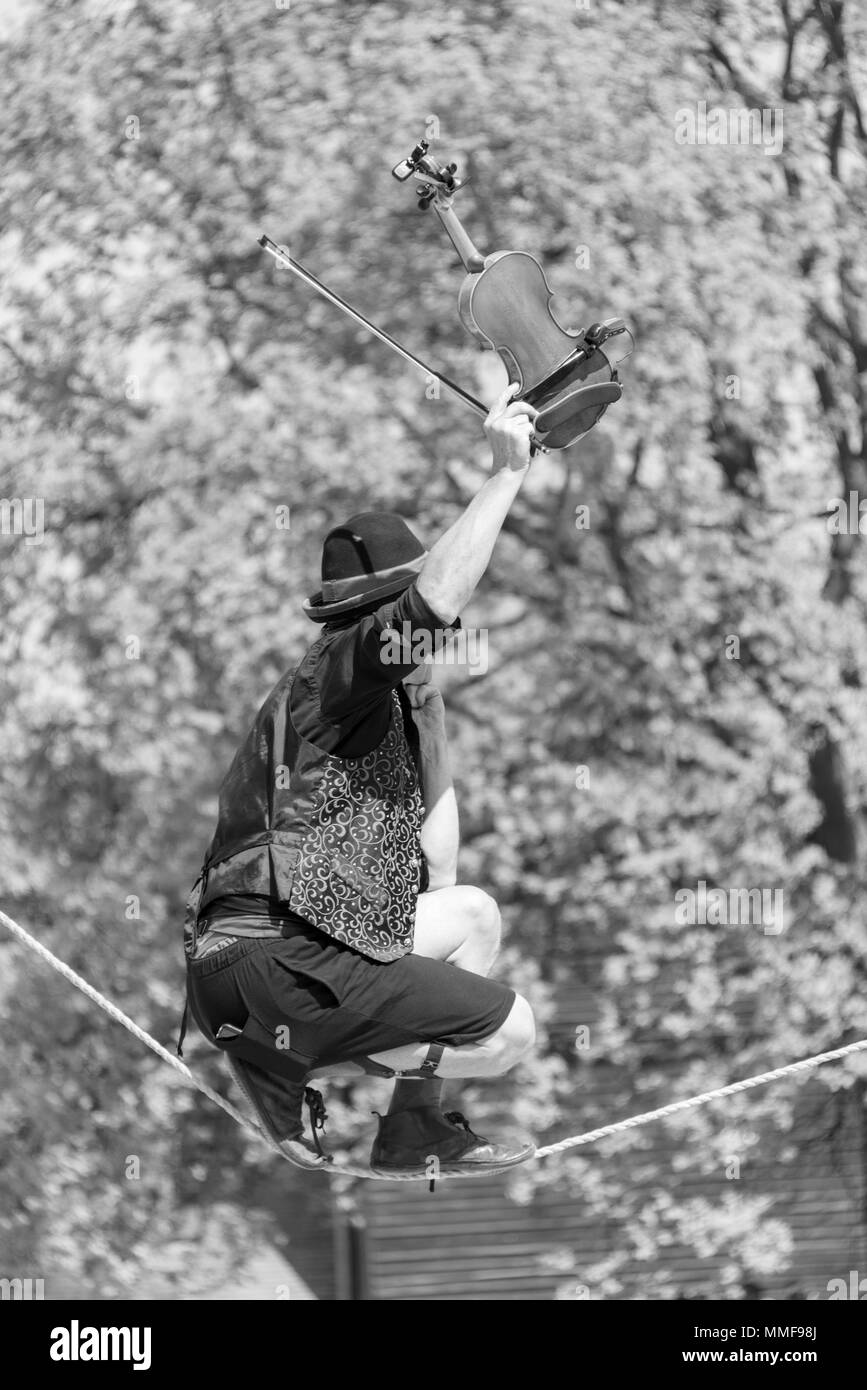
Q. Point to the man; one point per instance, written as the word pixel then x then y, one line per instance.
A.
pixel 327 933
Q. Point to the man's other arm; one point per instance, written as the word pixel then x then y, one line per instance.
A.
pixel 440 833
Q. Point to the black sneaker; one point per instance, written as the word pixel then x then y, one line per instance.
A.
pixel 277 1103
pixel 423 1142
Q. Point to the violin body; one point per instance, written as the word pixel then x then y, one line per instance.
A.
pixel 499 306
pixel 507 307
pixel 505 303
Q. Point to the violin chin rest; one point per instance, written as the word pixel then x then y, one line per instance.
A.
pixel 575 408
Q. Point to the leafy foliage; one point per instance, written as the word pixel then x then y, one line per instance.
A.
pixel 167 391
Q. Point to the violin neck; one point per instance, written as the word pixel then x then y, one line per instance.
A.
pixel 459 236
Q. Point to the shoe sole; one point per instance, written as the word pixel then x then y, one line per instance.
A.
pixel 457 1168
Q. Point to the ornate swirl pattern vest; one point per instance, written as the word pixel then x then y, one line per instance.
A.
pixel 336 840
pixel 359 868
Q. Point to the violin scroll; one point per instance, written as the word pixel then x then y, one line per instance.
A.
pixel 422 166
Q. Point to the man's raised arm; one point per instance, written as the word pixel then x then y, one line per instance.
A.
pixel 457 561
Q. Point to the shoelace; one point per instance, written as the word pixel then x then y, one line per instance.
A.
pixel 318 1115
pixel 456 1118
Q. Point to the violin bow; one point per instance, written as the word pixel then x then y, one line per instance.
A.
pixel 282 256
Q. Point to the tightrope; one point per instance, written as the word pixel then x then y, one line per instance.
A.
pixel 120 1017
pixel 761 1079
pixel 350 1170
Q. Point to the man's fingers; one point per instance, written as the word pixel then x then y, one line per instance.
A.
pixel 519 408
pixel 421 695
pixel 520 424
pixel 509 428
pixel 502 400
pixel 506 408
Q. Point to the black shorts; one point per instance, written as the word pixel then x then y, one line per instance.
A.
pixel 336 1004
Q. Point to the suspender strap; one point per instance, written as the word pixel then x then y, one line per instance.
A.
pixel 427 1069
pixel 432 1060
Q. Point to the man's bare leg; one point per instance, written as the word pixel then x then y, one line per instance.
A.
pixel 460 925
pixel 491 1057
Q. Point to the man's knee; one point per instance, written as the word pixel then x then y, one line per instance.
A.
pixel 516 1036
pixel 482 917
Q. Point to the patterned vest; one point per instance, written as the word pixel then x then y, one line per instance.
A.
pixel 336 840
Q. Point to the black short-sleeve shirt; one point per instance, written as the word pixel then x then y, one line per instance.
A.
pixel 340 697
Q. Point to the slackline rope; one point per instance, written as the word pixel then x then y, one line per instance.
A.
pixel 350 1170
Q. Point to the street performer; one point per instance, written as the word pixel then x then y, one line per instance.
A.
pixel 327 934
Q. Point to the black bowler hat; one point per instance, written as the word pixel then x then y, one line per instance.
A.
pixel 371 557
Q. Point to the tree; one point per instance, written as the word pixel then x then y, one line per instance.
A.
pixel 194 420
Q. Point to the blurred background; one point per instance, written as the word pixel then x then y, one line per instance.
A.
pixel 674 690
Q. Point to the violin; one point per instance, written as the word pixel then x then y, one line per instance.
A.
pixel 505 303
